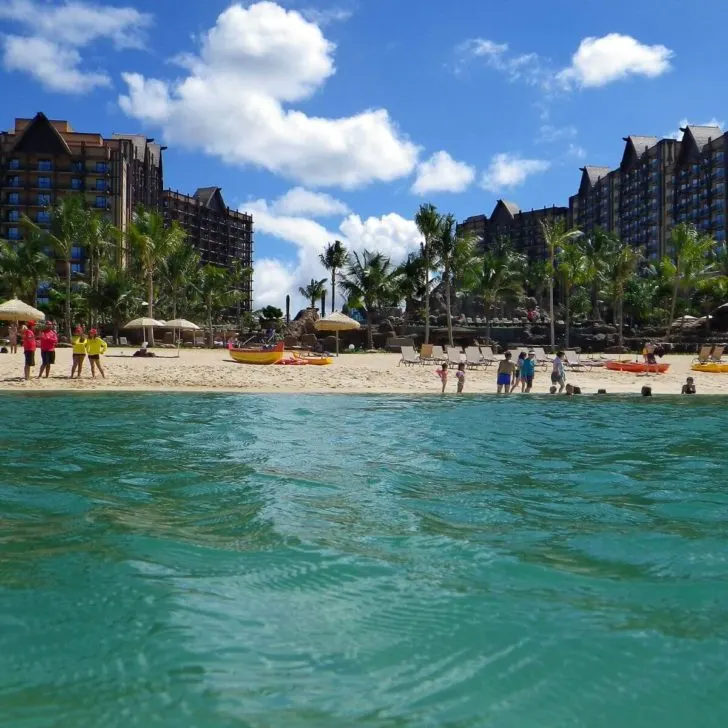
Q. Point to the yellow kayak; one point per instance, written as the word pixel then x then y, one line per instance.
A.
pixel 708 366
pixel 315 360
pixel 259 356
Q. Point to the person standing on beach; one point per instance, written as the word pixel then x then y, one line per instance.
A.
pixel 13 337
pixel 460 376
pixel 528 369
pixel 78 342
pixel 558 374
pixel 48 341
pixel 506 370
pixel 442 373
pixel 517 376
pixel 95 347
pixel 29 346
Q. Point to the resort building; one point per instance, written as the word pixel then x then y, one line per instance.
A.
pixel 221 235
pixel 658 184
pixel 521 227
pixel 42 159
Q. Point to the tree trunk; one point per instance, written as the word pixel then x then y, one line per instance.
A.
pixel 567 318
pixel 150 293
pixel 551 315
pixel 427 295
pixel 449 308
pixel 620 305
pixel 333 290
pixel 370 329
pixel 209 324
pixel 673 306
pixel 596 313
pixel 68 298
pixel 116 333
pixel 487 327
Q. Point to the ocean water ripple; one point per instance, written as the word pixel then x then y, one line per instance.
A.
pixel 284 561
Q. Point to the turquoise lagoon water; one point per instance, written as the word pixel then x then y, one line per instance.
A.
pixel 286 561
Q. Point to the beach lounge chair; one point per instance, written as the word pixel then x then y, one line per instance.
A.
pixel 541 358
pixel 409 356
pixel 123 341
pixel 474 358
pixel 426 353
pixel 454 355
pixel 573 361
pixel 717 354
pixel 487 355
pixel 438 354
pixel 704 355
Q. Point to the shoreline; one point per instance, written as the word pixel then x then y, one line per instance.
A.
pixel 210 371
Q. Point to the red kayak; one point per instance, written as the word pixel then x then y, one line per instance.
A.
pixel 636 367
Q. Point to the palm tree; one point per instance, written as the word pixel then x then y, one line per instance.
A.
pixel 555 236
pixel 690 262
pixel 409 280
pixel 176 273
pixel 536 274
pixel 24 265
pixel 101 238
pixel 572 267
pixel 369 280
pixel 621 264
pixel 428 222
pixel 500 276
pixel 312 292
pixel 152 241
pixel 117 297
pixel 455 254
pixel 217 291
pixel 334 259
pixel 68 229
pixel 598 248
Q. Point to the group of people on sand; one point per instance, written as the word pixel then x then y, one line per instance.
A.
pixel 510 374
pixel 45 337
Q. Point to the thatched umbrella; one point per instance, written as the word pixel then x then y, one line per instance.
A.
pixel 336 322
pixel 16 310
pixel 181 325
pixel 143 323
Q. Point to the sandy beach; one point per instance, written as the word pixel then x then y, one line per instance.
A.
pixel 213 370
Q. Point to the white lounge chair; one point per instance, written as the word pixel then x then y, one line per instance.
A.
pixel 473 358
pixel 438 354
pixel 487 355
pixel 454 355
pixel 574 361
pixel 541 358
pixel 409 356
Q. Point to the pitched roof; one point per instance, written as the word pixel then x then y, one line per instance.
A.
pixel 703 134
pixel 210 197
pixel 642 143
pixel 594 174
pixel 512 207
pixel 42 137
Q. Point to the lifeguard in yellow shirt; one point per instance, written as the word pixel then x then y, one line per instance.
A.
pixel 95 347
pixel 78 342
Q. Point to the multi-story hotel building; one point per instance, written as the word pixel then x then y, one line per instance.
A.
pixel 659 183
pixel 41 160
pixel 508 221
pixel 221 235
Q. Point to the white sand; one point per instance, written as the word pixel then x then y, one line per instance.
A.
pixel 212 370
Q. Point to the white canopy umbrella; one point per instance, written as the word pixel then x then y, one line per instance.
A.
pixel 143 323
pixel 16 310
pixel 181 324
pixel 336 322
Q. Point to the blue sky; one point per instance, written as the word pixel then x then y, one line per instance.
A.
pixel 337 118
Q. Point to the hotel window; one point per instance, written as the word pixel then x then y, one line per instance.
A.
pixel 45 165
pixel 13 233
pixel 14 215
pixel 101 167
pixel 76 267
pixel 14 198
pixel 44 216
pixel 100 184
pixel 77 166
pixel 720 234
pixel 14 164
pixel 101 202
pixel 13 181
pixel 44 199
pixel 44 182
pixel 77 252
pixel 76 183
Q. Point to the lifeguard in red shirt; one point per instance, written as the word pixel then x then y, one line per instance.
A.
pixel 29 347
pixel 48 341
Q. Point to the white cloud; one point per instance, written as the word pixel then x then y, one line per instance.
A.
pixel 549 133
pixel 49 51
pixel 324 17
pixel 596 62
pixel 613 57
pixel 507 171
pixel 391 234
pixel 55 67
pixel 231 105
pixel 300 201
pixel 576 151
pixel 678 134
pixel 441 173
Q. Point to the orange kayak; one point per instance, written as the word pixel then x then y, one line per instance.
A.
pixel 636 367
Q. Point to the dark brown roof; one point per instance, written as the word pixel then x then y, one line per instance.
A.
pixel 642 143
pixel 512 207
pixel 42 137
pixel 594 174
pixel 210 197
pixel 704 134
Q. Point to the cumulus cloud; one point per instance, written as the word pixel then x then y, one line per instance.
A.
pixel 234 103
pixel 53 34
pixel 596 62
pixel 391 234
pixel 549 133
pixel 614 57
pixel 507 171
pixel 300 201
pixel 441 173
pixel 678 133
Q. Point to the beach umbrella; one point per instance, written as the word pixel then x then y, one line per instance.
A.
pixel 336 322
pixel 16 310
pixel 181 324
pixel 143 323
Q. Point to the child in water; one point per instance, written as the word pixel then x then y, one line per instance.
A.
pixel 689 386
pixel 460 375
pixel 442 373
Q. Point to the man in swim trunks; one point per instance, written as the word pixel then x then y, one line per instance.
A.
pixel 558 375
pixel 506 370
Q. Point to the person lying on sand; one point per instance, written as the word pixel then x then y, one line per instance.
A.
pixel 143 351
